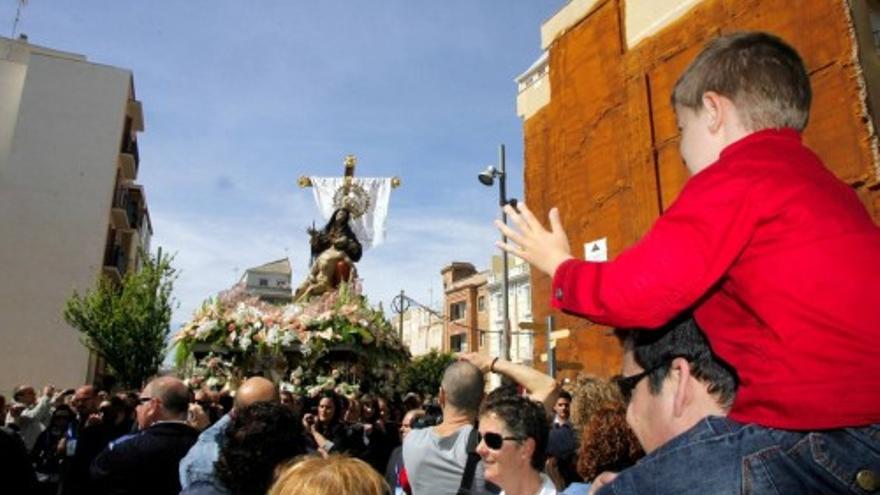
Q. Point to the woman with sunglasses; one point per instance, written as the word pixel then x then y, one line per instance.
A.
pixel 513 431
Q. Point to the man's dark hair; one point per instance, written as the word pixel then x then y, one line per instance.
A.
pixel 524 418
pixel 682 338
pixel 19 391
pixel 259 438
pixel 463 383
pixel 564 395
pixel 763 76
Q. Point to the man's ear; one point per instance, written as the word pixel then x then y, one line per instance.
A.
pixel 680 372
pixel 441 397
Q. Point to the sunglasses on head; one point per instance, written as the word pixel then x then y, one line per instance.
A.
pixel 495 440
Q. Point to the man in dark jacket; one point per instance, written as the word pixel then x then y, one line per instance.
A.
pixel 146 462
pixel 83 441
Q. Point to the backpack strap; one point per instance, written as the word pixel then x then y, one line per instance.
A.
pixel 467 479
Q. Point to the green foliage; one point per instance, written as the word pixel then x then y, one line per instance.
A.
pixel 424 373
pixel 127 324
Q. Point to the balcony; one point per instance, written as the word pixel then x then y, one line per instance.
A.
pixel 115 262
pixel 119 211
pixel 128 166
pixel 129 155
pixel 135 111
pixel 127 211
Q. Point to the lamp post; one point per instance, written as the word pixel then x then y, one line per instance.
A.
pixel 487 178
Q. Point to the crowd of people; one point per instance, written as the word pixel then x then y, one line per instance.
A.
pixel 527 436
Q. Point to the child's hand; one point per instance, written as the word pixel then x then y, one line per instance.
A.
pixel 543 249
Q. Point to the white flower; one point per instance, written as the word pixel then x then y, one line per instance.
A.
pixel 244 342
pixel 287 339
pixel 272 335
pixel 326 334
pixel 213 382
pixel 291 311
pixel 205 329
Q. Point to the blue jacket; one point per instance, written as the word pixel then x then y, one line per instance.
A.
pixel 198 464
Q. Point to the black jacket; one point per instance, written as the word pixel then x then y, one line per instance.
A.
pixel 145 462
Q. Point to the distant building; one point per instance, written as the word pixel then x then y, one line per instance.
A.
pixel 467 308
pixel 522 342
pixel 423 330
pixel 270 282
pixel 70 209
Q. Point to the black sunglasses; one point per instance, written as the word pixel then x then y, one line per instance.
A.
pixel 494 440
pixel 144 400
pixel 627 384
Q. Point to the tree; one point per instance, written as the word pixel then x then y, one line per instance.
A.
pixel 424 373
pixel 127 324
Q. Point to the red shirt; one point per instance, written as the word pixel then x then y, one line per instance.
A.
pixel 781 264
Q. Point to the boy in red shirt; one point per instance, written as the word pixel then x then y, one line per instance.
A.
pixel 776 257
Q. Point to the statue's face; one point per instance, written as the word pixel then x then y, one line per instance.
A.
pixel 342 217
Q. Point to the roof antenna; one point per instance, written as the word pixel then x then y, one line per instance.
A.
pixel 21 5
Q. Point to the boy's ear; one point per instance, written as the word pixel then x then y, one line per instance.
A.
pixel 715 110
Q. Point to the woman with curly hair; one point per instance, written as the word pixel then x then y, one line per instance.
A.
pixel 513 431
pixel 259 438
pixel 607 444
pixel 335 475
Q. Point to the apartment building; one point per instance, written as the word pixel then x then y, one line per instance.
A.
pixel 467 308
pixel 519 302
pixel 70 206
pixel 422 330
pixel 270 281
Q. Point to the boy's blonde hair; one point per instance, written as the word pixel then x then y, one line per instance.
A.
pixel 335 475
pixel 763 76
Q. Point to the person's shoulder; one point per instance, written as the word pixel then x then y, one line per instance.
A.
pixel 420 435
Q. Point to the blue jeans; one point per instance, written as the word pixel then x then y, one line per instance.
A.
pixel 720 456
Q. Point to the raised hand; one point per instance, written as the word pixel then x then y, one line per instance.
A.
pixel 543 249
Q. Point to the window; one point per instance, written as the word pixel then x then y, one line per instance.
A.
pixel 527 299
pixel 281 283
pixel 457 310
pixel 264 282
pixel 481 303
pixel 457 343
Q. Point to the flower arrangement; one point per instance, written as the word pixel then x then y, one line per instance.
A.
pixel 335 341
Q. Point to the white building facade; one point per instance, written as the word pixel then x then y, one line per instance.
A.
pixel 422 330
pixel 270 281
pixel 70 210
pixel 522 342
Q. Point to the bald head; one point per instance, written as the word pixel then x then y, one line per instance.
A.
pixel 255 389
pixel 463 385
pixel 173 396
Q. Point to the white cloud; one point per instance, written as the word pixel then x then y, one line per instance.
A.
pixel 212 253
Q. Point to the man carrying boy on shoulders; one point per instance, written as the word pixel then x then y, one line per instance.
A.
pixel 777 258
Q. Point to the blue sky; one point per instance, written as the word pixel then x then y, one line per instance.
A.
pixel 241 98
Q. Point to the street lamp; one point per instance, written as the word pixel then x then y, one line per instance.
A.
pixel 487 178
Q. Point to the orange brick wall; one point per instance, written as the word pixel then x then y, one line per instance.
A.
pixel 605 149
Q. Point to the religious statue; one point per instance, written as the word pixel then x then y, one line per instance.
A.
pixel 361 203
pixel 335 249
